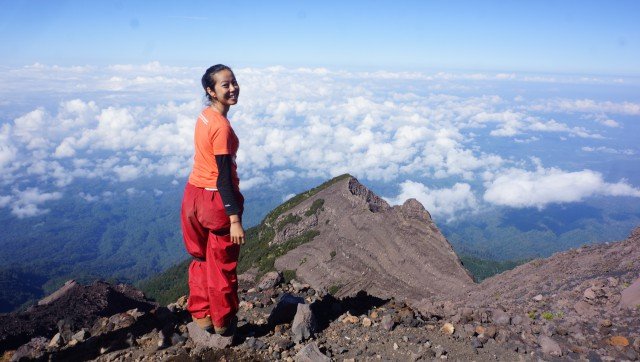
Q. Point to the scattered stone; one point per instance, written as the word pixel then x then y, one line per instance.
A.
pixel 269 280
pixel 366 322
pixel 304 323
pixel 395 347
pixel 618 341
pixel 202 338
pixel 34 349
pixel 549 346
pixel 56 341
pixel 480 329
pixel 606 323
pixel 81 335
pixel 387 323
pixel 255 344
pixel 350 319
pixel 297 286
pixel 447 328
pixel 538 298
pixel 584 309
pixel 311 353
pixel 630 297
pixel 374 315
pixel 500 317
pixel 589 294
pixel 64 328
pixel 476 343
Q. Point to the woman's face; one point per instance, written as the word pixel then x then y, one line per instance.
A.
pixel 226 88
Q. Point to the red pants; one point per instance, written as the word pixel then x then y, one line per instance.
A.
pixel 213 283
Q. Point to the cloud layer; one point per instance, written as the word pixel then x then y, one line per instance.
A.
pixel 123 122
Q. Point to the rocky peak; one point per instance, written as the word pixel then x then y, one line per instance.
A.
pixel 375 202
pixel 360 242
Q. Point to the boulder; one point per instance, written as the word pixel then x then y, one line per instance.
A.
pixel 270 280
pixel 311 353
pixel 202 338
pixel 631 295
pixel 285 310
pixel 304 323
pixel 549 346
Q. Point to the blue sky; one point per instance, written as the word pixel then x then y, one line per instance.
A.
pixel 593 37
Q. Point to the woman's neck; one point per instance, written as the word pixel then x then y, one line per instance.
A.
pixel 220 108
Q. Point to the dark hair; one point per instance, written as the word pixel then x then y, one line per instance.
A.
pixel 208 81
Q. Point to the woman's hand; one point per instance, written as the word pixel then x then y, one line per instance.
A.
pixel 236 231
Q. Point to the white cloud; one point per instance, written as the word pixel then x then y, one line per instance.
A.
pixel 124 122
pixel 603 149
pixel 520 188
pixel 25 203
pixel 445 202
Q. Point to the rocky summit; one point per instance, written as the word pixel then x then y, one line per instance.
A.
pixel 364 244
pixel 343 276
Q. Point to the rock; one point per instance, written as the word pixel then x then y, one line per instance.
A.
pixel 491 331
pixel 549 346
pixel 34 349
pixel 70 284
pixel 64 328
pixel 517 320
pixel 476 343
pixel 310 353
pixel 202 338
pixel 630 297
pixel 255 344
pixel 447 328
pixel 618 341
pixel 121 320
pixel 366 322
pixel 584 309
pixel 285 310
pixel 538 298
pixel 589 294
pixel 500 317
pixel 269 280
pixel 297 286
pixel 304 323
pixel 387 323
pixel 395 347
pixel 350 319
pixel 81 335
pixel 56 341
pixel 606 323
pixel 374 315
pixel 480 330
pixel 469 330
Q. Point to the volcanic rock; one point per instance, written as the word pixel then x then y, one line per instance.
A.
pixel 304 323
pixel 78 305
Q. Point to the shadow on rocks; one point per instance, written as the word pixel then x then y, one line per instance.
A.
pixel 330 308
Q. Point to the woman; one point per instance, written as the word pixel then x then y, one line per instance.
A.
pixel 212 209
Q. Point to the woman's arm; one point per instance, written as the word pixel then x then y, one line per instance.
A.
pixel 229 199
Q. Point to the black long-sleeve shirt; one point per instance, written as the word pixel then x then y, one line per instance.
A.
pixel 225 185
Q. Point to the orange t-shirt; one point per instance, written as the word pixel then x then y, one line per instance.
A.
pixel 213 136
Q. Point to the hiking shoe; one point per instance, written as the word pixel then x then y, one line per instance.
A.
pixel 205 323
pixel 229 329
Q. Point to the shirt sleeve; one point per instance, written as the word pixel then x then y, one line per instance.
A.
pixel 221 140
pixel 225 186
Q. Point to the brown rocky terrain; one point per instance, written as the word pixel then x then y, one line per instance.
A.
pixel 366 244
pixel 372 282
